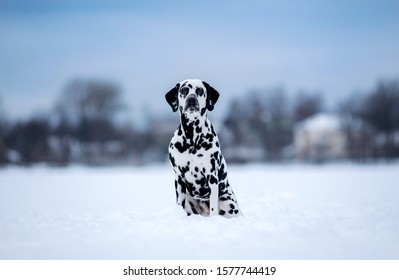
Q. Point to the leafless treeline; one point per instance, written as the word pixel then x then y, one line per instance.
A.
pixel 84 128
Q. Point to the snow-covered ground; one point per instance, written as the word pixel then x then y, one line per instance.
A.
pixel 338 211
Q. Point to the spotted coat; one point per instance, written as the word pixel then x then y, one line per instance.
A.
pixel 195 153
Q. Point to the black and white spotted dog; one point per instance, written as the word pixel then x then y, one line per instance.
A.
pixel 194 152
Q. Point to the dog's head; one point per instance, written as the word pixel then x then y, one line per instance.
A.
pixel 192 97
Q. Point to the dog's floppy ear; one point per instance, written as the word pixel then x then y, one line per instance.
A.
pixel 171 97
pixel 212 96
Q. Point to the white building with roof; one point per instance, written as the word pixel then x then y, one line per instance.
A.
pixel 319 138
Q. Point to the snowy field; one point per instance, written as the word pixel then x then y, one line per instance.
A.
pixel 338 211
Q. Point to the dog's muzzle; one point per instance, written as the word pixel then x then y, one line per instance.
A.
pixel 192 104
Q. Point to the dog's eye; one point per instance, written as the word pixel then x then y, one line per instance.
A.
pixel 199 91
pixel 184 91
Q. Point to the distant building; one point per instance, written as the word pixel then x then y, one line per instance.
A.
pixel 320 138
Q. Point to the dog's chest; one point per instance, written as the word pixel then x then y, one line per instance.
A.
pixel 201 152
pixel 190 161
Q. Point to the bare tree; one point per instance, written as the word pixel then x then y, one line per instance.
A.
pixel 3 148
pixel 30 140
pixel 261 119
pixel 272 121
pixel 359 134
pixel 86 112
pixel 307 105
pixel 381 111
pixel 89 99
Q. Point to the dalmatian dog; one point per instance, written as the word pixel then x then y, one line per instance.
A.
pixel 200 169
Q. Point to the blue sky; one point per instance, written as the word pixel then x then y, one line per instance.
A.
pixel 335 47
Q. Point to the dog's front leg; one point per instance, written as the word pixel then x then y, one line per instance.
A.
pixel 180 191
pixel 214 196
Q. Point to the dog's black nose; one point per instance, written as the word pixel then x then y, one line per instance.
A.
pixel 191 102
